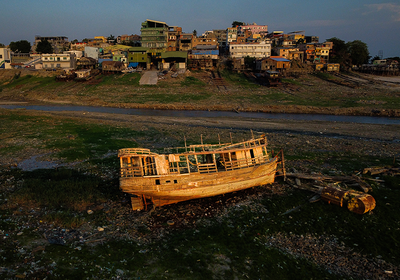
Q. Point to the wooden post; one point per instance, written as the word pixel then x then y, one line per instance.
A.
pixel 184 137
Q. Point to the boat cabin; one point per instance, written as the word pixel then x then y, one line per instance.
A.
pixel 137 162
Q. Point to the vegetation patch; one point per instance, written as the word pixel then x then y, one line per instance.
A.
pixel 130 79
pixel 69 139
pixel 192 81
pixel 166 99
pixel 60 189
pixel 239 79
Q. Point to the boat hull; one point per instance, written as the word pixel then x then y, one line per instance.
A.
pixel 173 188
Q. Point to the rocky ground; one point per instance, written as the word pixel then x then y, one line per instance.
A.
pixel 119 222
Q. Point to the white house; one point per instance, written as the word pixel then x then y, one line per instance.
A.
pixel 65 60
pixel 257 49
pixel 5 58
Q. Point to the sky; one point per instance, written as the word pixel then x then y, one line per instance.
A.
pixel 376 23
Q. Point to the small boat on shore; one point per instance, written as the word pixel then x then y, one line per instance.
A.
pixel 195 171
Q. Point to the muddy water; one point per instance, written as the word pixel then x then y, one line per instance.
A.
pixel 211 114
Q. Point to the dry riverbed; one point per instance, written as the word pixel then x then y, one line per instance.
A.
pixel 35 245
pixel 336 143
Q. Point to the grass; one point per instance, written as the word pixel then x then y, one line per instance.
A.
pixel 31 83
pixel 165 98
pixel 192 81
pixel 324 76
pixel 65 219
pixel 131 79
pixel 238 79
pixel 60 189
pixel 125 88
pixel 292 81
pixel 74 140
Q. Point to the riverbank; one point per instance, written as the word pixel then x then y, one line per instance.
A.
pixel 351 94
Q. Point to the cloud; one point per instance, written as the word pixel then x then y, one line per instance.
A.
pixel 392 8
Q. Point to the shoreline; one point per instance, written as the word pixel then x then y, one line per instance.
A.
pixel 276 109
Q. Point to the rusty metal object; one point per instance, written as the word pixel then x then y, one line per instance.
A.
pixel 360 203
pixel 334 195
pixel 356 202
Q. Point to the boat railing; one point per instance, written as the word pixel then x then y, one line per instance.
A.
pixel 195 148
pixel 245 144
pixel 207 168
pixel 134 151
pixel 217 166
pixel 129 170
pixel 246 162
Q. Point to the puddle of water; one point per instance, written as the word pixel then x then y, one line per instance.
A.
pixel 33 163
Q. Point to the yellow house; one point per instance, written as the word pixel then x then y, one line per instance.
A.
pixel 102 38
pixel 333 67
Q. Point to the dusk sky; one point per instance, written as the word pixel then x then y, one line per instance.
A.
pixel 377 23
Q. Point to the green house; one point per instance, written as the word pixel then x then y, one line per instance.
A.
pixel 154 35
pixel 139 56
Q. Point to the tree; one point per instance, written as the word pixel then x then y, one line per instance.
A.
pixel 2 45
pixel 339 46
pixel 22 46
pixel 339 53
pixel 237 23
pixel 111 39
pixel 249 62
pixel 128 43
pixel 359 53
pixel 195 33
pixel 376 57
pixel 44 46
pixel 394 58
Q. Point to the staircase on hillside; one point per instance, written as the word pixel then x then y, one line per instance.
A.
pixel 33 61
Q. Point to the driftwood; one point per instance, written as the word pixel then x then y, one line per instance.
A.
pixel 349 181
pixel 327 188
pixel 392 171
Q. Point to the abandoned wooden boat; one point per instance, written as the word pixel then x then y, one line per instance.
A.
pixel 194 171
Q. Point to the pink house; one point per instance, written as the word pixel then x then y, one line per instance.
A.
pixel 254 28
